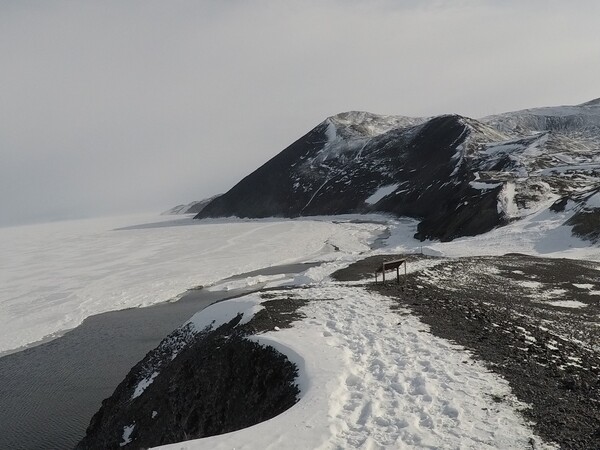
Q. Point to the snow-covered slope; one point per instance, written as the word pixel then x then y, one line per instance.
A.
pixel 554 155
pixel 368 376
pixel 458 176
pixel 583 119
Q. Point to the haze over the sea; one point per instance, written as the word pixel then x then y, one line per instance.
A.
pixel 112 107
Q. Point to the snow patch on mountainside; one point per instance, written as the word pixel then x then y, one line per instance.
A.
pixel 541 233
pixel 506 201
pixel 350 131
pixel 142 385
pixel 593 201
pixel 380 193
pixel 127 430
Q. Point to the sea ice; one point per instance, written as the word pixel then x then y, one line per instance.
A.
pixel 53 276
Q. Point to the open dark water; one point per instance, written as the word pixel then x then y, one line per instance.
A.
pixel 49 393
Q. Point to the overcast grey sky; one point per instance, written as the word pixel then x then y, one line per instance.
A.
pixel 111 106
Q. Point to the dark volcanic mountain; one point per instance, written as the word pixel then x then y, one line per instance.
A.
pixel 457 175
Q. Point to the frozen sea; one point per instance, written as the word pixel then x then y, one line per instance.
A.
pixel 53 276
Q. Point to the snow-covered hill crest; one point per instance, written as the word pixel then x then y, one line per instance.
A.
pixel 577 119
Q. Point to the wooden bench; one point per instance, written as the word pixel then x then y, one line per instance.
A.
pixel 391 265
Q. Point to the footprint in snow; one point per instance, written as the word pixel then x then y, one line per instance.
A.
pixel 450 411
pixel 365 414
pixel 353 380
pixel 418 386
pixel 426 421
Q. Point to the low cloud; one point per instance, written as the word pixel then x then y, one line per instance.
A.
pixel 110 107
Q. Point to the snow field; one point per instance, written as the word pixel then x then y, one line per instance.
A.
pixel 374 379
pixel 542 233
pixel 53 276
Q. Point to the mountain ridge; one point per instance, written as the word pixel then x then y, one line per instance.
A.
pixel 459 176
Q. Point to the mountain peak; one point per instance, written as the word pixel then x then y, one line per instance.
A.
pixel 370 124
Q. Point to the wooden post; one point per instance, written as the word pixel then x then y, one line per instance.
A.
pixel 398 274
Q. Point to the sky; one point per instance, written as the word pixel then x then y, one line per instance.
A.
pixel 113 107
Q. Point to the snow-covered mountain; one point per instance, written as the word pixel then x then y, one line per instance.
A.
pixel 458 175
pixel 191 208
pixel 179 209
pixel 559 155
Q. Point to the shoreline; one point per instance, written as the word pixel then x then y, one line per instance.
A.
pixel 62 382
pixel 62 274
pixel 186 295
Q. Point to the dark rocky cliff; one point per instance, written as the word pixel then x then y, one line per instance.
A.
pixel 218 382
pixel 201 383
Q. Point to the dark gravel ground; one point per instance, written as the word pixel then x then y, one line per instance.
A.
pixel 501 309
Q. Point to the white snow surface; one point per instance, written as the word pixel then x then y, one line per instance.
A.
pixel 506 201
pixel 583 285
pixel 484 186
pixel 223 312
pixel 542 233
pixel 583 116
pixel 142 385
pixel 374 379
pixel 568 304
pixel 593 201
pixel 127 430
pixel 53 276
pixel 380 193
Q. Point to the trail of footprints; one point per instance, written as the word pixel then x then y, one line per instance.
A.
pixel 376 414
pixel 400 390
